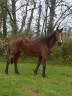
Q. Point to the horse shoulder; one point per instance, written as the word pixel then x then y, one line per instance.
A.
pixel 44 49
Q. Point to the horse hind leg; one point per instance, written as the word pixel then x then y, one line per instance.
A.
pixel 7 66
pixel 12 60
pixel 9 60
pixel 37 66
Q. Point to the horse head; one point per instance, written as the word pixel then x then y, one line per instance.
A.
pixel 59 35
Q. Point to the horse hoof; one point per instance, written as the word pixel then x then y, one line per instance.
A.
pixel 6 72
pixel 17 72
pixel 43 75
pixel 35 73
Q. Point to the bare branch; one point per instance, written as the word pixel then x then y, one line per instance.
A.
pixel 64 18
pixel 68 7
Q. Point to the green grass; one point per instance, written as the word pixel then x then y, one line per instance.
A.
pixel 57 83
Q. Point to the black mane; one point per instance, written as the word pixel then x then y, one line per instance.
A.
pixel 48 37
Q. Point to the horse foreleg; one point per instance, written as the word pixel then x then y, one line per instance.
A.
pixel 44 67
pixel 43 72
pixel 15 64
pixel 37 66
pixel 16 69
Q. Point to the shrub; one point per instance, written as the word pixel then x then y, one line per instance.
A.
pixel 67 52
pixel 56 54
pixel 3 46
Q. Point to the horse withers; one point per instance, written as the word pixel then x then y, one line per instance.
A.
pixel 33 47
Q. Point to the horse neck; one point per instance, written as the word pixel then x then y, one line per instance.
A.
pixel 51 41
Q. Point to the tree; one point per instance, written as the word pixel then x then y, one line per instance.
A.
pixel 28 29
pixel 51 16
pixel 0 14
pixel 24 17
pixel 46 19
pixel 14 23
pixel 4 17
pixel 38 20
pixel 45 23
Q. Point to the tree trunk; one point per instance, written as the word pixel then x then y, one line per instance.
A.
pixel 28 30
pixel 0 17
pixel 4 17
pixel 38 22
pixel 46 10
pixel 14 23
pixel 24 17
pixel 51 17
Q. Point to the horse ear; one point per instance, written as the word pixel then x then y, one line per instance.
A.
pixel 61 29
pixel 57 28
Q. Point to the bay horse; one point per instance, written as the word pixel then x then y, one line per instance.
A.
pixel 34 47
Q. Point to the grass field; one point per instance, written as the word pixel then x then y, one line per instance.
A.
pixel 57 83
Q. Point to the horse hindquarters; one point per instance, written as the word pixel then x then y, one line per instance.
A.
pixel 12 59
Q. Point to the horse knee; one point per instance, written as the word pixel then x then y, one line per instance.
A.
pixel 11 60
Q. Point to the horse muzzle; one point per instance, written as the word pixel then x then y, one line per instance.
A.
pixel 59 43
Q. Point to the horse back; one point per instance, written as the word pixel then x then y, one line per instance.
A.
pixel 29 46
